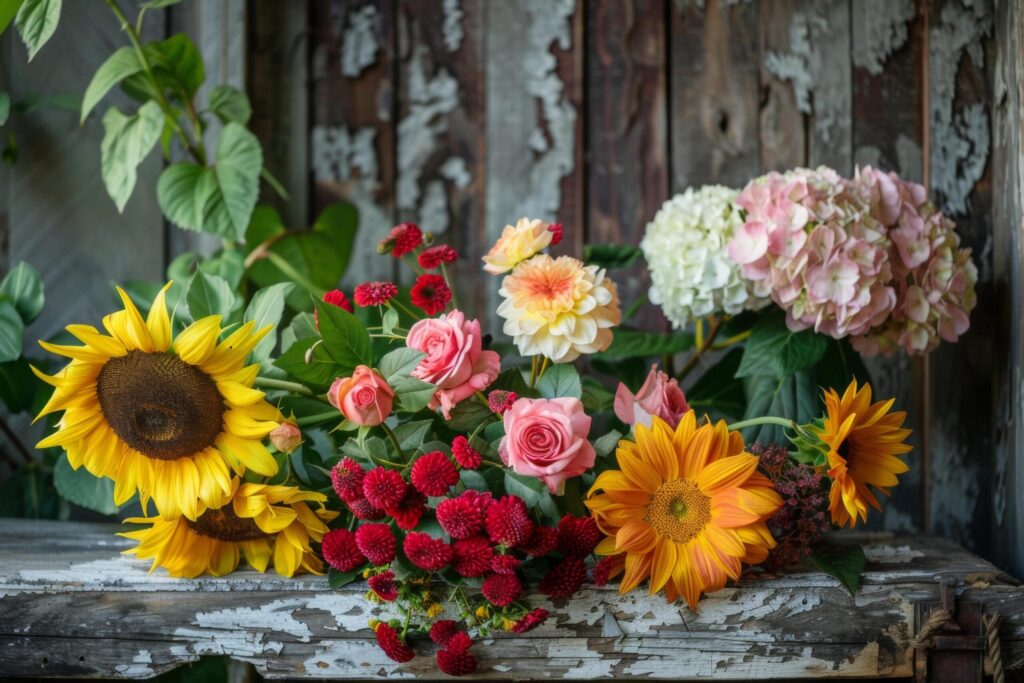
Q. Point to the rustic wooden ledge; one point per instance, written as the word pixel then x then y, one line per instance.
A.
pixel 71 605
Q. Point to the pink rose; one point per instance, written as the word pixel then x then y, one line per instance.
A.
pixel 547 439
pixel 364 398
pixel 660 395
pixel 456 363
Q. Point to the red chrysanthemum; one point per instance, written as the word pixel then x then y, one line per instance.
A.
pixel 502 589
pixel 364 510
pixel 499 401
pixel 384 586
pixel 464 454
pixel 472 556
pixel 456 662
pixel 377 542
pixel 433 474
pixel 564 579
pixel 505 564
pixel 374 293
pixel 347 479
pixel 427 553
pixel 433 257
pixel 430 293
pixel 508 522
pixel 408 513
pixel 459 641
pixel 543 541
pixel 392 643
pixel 578 536
pixel 463 516
pixel 556 233
pixel 340 550
pixel 608 568
pixel 384 488
pixel 335 297
pixel 442 630
pixel 531 620
pixel 404 238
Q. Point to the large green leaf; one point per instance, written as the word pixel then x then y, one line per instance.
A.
pixel 844 562
pixel 117 67
pixel 11 331
pixel 468 415
pixel 611 255
pixel 560 380
pixel 773 350
pixel 23 287
pixel 177 67
pixel 794 397
pixel 126 142
pixel 839 365
pixel 8 8
pixel 321 369
pixel 639 344
pixel 346 340
pixel 17 385
pixel 82 488
pixel 36 21
pixel 209 295
pixel 716 392
pixel 412 395
pixel 230 104
pixel 266 308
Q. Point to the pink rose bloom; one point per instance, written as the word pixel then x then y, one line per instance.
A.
pixel 364 398
pixel 547 439
pixel 660 395
pixel 456 363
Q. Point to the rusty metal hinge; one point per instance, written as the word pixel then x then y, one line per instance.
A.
pixel 951 648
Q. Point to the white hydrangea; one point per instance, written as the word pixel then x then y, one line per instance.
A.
pixel 691 275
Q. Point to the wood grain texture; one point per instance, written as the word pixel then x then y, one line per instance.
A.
pixel 782 131
pixel 136 624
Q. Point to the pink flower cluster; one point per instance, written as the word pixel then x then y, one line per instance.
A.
pixel 867 258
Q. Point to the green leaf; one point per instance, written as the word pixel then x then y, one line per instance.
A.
pixel 717 392
pixel 36 21
pixel 639 344
pixel 473 480
pixel 795 397
pixel 11 331
pixel 844 562
pixel 412 435
pixel 320 371
pixel 228 264
pixel 8 8
pixel 230 104
pixel 126 142
pixel 209 295
pixel 389 321
pixel 18 385
pixel 560 380
pixel 153 4
pixel 611 255
pixel 839 365
pixel 412 394
pixel 5 106
pixel 339 222
pixel 82 488
pixel 266 308
pixel 468 415
pixel 302 326
pixel 346 340
pixel 336 579
pixel 23 287
pixel 177 67
pixel 596 398
pixel 773 350
pixel 529 489
pixel 606 444
pixel 117 67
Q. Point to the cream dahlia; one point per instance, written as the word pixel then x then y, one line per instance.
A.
pixel 559 308
pixel 516 244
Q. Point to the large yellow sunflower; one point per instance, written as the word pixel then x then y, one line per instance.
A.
pixel 687 507
pixel 261 522
pixel 162 416
pixel 864 440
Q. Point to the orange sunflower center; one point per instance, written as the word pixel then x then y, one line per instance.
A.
pixel 678 510
pixel 160 405
pixel 225 525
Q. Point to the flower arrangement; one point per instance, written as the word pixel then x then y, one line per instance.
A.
pixel 475 487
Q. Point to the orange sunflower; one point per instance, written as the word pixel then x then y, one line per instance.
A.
pixel 687 508
pixel 864 441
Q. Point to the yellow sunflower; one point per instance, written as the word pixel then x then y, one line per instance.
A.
pixel 162 416
pixel 863 440
pixel 687 507
pixel 261 522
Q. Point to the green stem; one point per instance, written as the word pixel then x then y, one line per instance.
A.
pixel 451 287
pixel 289 270
pixel 402 307
pixel 318 418
pixel 703 346
pixel 293 387
pixel 394 439
pixel 766 420
pixel 408 617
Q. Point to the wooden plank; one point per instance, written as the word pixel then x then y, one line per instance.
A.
pixel 352 140
pixel 441 145
pixel 888 133
pixel 798 625
pixel 781 126
pixel 627 174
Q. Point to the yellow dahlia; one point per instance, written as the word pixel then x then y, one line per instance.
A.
pixel 517 244
pixel 261 522
pixel 559 308
pixel 864 441
pixel 687 507
pixel 169 418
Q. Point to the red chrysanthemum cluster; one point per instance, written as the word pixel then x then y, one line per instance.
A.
pixel 377 543
pixel 500 401
pixel 502 589
pixel 430 293
pixel 442 630
pixel 505 564
pixel 557 232
pixel 454 658
pixel 374 293
pixel 564 579
pixel 433 474
pixel 578 536
pixel 463 516
pixel 384 488
pixel 347 479
pixel 472 557
pixel 543 541
pixel 384 586
pixel 430 554
pixel 531 620
pixel 464 454
pixel 409 512
pixel 608 568
pixel 341 551
pixel 393 644
pixel 403 239
pixel 508 521
pixel 432 257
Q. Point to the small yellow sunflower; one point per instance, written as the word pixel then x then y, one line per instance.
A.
pixel 261 522
pixel 166 417
pixel 863 440
pixel 687 507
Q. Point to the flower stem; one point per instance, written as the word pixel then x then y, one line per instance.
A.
pixel 735 339
pixel 543 367
pixel 294 387
pixel 451 287
pixel 394 439
pixel 404 309
pixel 317 418
pixel 702 345
pixel 289 271
pixel 766 420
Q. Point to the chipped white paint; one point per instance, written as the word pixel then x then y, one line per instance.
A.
pixel 909 158
pixel 277 616
pixel 251 644
pixel 891 554
pixel 433 212
pixel 139 666
pixel 881 29
pixel 451 25
pixel 960 137
pixel 455 170
pixel 359 45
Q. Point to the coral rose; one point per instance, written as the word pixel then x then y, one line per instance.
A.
pixel 660 395
pixel 456 362
pixel 364 398
pixel 547 439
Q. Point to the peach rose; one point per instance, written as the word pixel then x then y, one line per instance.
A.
pixel 547 439
pixel 286 437
pixel 364 398
pixel 456 362
pixel 660 395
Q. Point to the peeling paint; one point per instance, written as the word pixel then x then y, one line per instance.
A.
pixel 909 158
pixel 890 554
pixel 455 170
pixel 359 45
pixel 451 26
pixel 960 137
pixel 275 616
pixel 139 667
pixel 882 31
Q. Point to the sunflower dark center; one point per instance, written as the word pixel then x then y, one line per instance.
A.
pixel 225 525
pixel 160 405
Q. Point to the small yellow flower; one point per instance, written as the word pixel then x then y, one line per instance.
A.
pixel 483 612
pixel 507 624
pixel 434 609
pixel 517 244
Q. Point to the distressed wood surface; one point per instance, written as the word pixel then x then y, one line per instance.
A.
pixel 75 607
